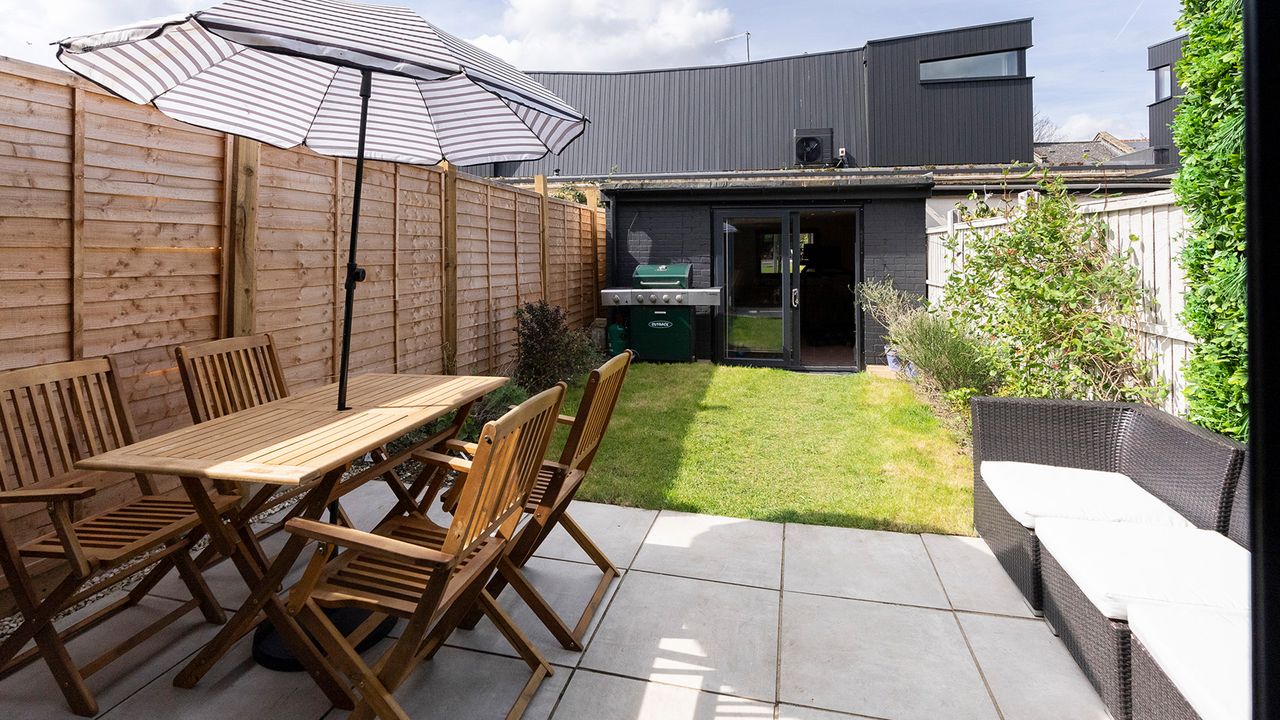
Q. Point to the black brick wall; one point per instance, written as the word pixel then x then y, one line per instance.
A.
pixel 893 242
pixel 894 245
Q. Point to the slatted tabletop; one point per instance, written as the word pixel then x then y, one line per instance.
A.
pixel 299 438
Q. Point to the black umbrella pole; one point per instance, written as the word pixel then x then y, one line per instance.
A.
pixel 355 273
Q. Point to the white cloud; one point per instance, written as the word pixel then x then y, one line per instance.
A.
pixel 30 26
pixel 594 35
pixel 1084 126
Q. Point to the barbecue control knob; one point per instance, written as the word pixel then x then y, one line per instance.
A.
pixel 666 298
pixel 653 298
pixel 639 298
pixel 679 298
pixel 617 300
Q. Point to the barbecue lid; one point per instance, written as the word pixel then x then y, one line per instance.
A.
pixel 674 275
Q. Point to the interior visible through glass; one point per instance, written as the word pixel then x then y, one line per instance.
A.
pixel 758 261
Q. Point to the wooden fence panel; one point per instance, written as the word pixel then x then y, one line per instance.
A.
pixel 112 220
pixel 1157 226
pixel 420 285
pixel 125 232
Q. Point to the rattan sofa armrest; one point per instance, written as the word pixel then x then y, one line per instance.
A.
pixel 457 464
pixel 365 541
pixel 1066 433
pixel 1193 470
pixel 68 494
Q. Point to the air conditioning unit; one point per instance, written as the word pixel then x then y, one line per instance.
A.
pixel 812 147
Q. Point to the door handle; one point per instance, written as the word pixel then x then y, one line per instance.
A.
pixel 795 297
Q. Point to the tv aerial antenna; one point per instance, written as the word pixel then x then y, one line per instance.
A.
pixel 746 35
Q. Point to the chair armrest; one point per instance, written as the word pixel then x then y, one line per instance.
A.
pixel 365 541
pixel 45 496
pixel 453 463
pixel 462 446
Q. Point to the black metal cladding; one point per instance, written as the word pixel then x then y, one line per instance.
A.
pixel 1160 112
pixel 743 116
pixel 947 122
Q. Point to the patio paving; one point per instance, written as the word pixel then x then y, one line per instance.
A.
pixel 712 619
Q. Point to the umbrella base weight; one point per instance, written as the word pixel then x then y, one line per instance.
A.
pixel 270 651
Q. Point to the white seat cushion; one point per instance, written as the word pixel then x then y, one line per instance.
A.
pixel 1116 564
pixel 1029 491
pixel 1204 651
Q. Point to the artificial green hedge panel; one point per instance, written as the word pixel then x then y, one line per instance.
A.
pixel 1209 131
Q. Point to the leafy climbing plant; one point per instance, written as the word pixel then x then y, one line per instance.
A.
pixel 1209 131
pixel 1058 303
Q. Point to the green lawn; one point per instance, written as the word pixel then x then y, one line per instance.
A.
pixel 848 450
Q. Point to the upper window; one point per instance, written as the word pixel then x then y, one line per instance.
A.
pixel 973 67
pixel 1164 83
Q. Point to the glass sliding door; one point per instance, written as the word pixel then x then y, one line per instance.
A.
pixel 758 259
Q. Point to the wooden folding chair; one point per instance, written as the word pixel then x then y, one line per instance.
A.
pixel 53 416
pixel 554 490
pixel 430 575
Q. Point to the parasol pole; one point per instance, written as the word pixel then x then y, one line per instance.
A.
pixel 355 273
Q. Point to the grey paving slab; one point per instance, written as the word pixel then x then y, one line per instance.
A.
pixel 1031 674
pixel 567 586
pixel 861 564
pixel 886 661
pixel 693 633
pixel 973 578
pixel 709 547
pixel 618 531
pixel 236 687
pixel 34 690
pixel 593 696
pixel 792 712
pixel 464 684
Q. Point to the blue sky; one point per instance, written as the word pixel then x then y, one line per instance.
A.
pixel 1089 57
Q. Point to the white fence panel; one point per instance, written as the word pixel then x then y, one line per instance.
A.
pixel 1159 226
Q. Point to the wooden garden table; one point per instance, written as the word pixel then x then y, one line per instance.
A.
pixel 295 440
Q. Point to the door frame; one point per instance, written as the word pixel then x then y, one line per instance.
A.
pixel 789 214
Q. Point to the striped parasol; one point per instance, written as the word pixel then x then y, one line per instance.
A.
pixel 342 78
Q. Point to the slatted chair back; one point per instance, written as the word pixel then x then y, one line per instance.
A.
pixel 54 415
pixel 599 398
pixel 505 466
pixel 225 376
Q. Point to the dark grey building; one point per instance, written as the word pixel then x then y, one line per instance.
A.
pixel 788 181
pixel 1162 60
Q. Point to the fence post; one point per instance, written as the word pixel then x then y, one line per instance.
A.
pixel 77 222
pixel 449 231
pixel 544 258
pixel 592 193
pixel 242 240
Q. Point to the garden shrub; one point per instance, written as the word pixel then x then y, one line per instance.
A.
pixel 1209 130
pixel 951 359
pixel 948 360
pixel 1058 304
pixel 548 350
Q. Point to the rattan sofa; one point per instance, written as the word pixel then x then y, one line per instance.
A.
pixel 1190 469
pixel 1194 476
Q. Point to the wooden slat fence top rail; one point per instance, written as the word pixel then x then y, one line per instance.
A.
pixel 296 440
